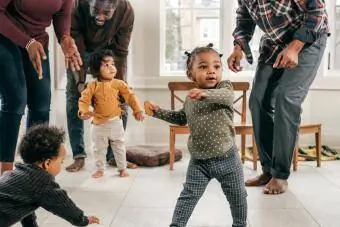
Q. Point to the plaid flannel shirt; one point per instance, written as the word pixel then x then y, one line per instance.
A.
pixel 282 21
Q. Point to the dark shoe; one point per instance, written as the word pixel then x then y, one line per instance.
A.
pixel 77 165
pixel 302 151
pixel 260 180
pixel 329 150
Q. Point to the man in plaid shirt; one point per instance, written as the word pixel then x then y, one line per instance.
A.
pixel 291 49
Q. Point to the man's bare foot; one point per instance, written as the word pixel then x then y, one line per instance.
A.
pixel 130 165
pixel 77 165
pixel 123 173
pixel 98 174
pixel 260 180
pixel 275 186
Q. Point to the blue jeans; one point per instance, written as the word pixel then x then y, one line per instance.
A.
pixel 20 86
pixel 75 125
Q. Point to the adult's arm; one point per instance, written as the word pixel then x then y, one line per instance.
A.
pixel 9 29
pixel 245 27
pixel 313 27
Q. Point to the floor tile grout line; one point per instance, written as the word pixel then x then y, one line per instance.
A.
pixel 123 200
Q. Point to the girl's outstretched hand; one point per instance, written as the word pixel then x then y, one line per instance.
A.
pixel 150 108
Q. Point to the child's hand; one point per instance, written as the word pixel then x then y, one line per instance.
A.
pixel 85 116
pixel 93 220
pixel 150 108
pixel 139 116
pixel 197 94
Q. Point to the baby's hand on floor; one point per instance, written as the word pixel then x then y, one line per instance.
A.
pixel 150 108
pixel 139 116
pixel 93 220
pixel 85 116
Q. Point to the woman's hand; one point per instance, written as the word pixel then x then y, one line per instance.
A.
pixel 36 52
pixel 72 57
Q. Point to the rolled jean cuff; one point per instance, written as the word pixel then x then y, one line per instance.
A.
pixel 279 175
pixel 266 169
pixel 79 156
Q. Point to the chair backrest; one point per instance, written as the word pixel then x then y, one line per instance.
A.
pixel 242 87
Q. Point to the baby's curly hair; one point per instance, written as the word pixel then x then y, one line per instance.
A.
pixel 96 61
pixel 41 142
pixel 192 55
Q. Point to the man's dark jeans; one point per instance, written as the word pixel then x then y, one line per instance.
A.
pixel 275 104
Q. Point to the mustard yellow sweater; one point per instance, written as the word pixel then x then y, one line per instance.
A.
pixel 104 96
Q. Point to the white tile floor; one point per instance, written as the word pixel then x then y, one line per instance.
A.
pixel 147 198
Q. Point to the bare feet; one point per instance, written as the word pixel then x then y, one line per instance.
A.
pixel 260 180
pixel 130 165
pixel 98 174
pixel 275 186
pixel 77 165
pixel 123 173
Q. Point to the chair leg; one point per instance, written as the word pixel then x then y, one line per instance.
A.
pixel 172 149
pixel 295 158
pixel 255 154
pixel 318 147
pixel 243 147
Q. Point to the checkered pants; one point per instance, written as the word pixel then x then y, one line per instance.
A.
pixel 228 171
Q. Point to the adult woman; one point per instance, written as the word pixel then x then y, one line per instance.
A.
pixel 24 64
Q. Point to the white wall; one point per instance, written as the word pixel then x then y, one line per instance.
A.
pixel 144 76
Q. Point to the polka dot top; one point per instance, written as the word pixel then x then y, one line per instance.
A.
pixel 210 121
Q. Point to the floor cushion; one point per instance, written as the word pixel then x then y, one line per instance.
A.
pixel 148 155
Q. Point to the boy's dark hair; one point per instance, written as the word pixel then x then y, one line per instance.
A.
pixel 96 61
pixel 110 1
pixel 41 142
pixel 76 2
pixel 192 55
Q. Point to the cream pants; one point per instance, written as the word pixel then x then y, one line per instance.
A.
pixel 113 132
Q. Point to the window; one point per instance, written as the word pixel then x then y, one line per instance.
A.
pixel 209 30
pixel 336 37
pixel 189 23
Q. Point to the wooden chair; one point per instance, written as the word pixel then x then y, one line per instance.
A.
pixel 304 129
pixel 242 128
pixel 310 129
